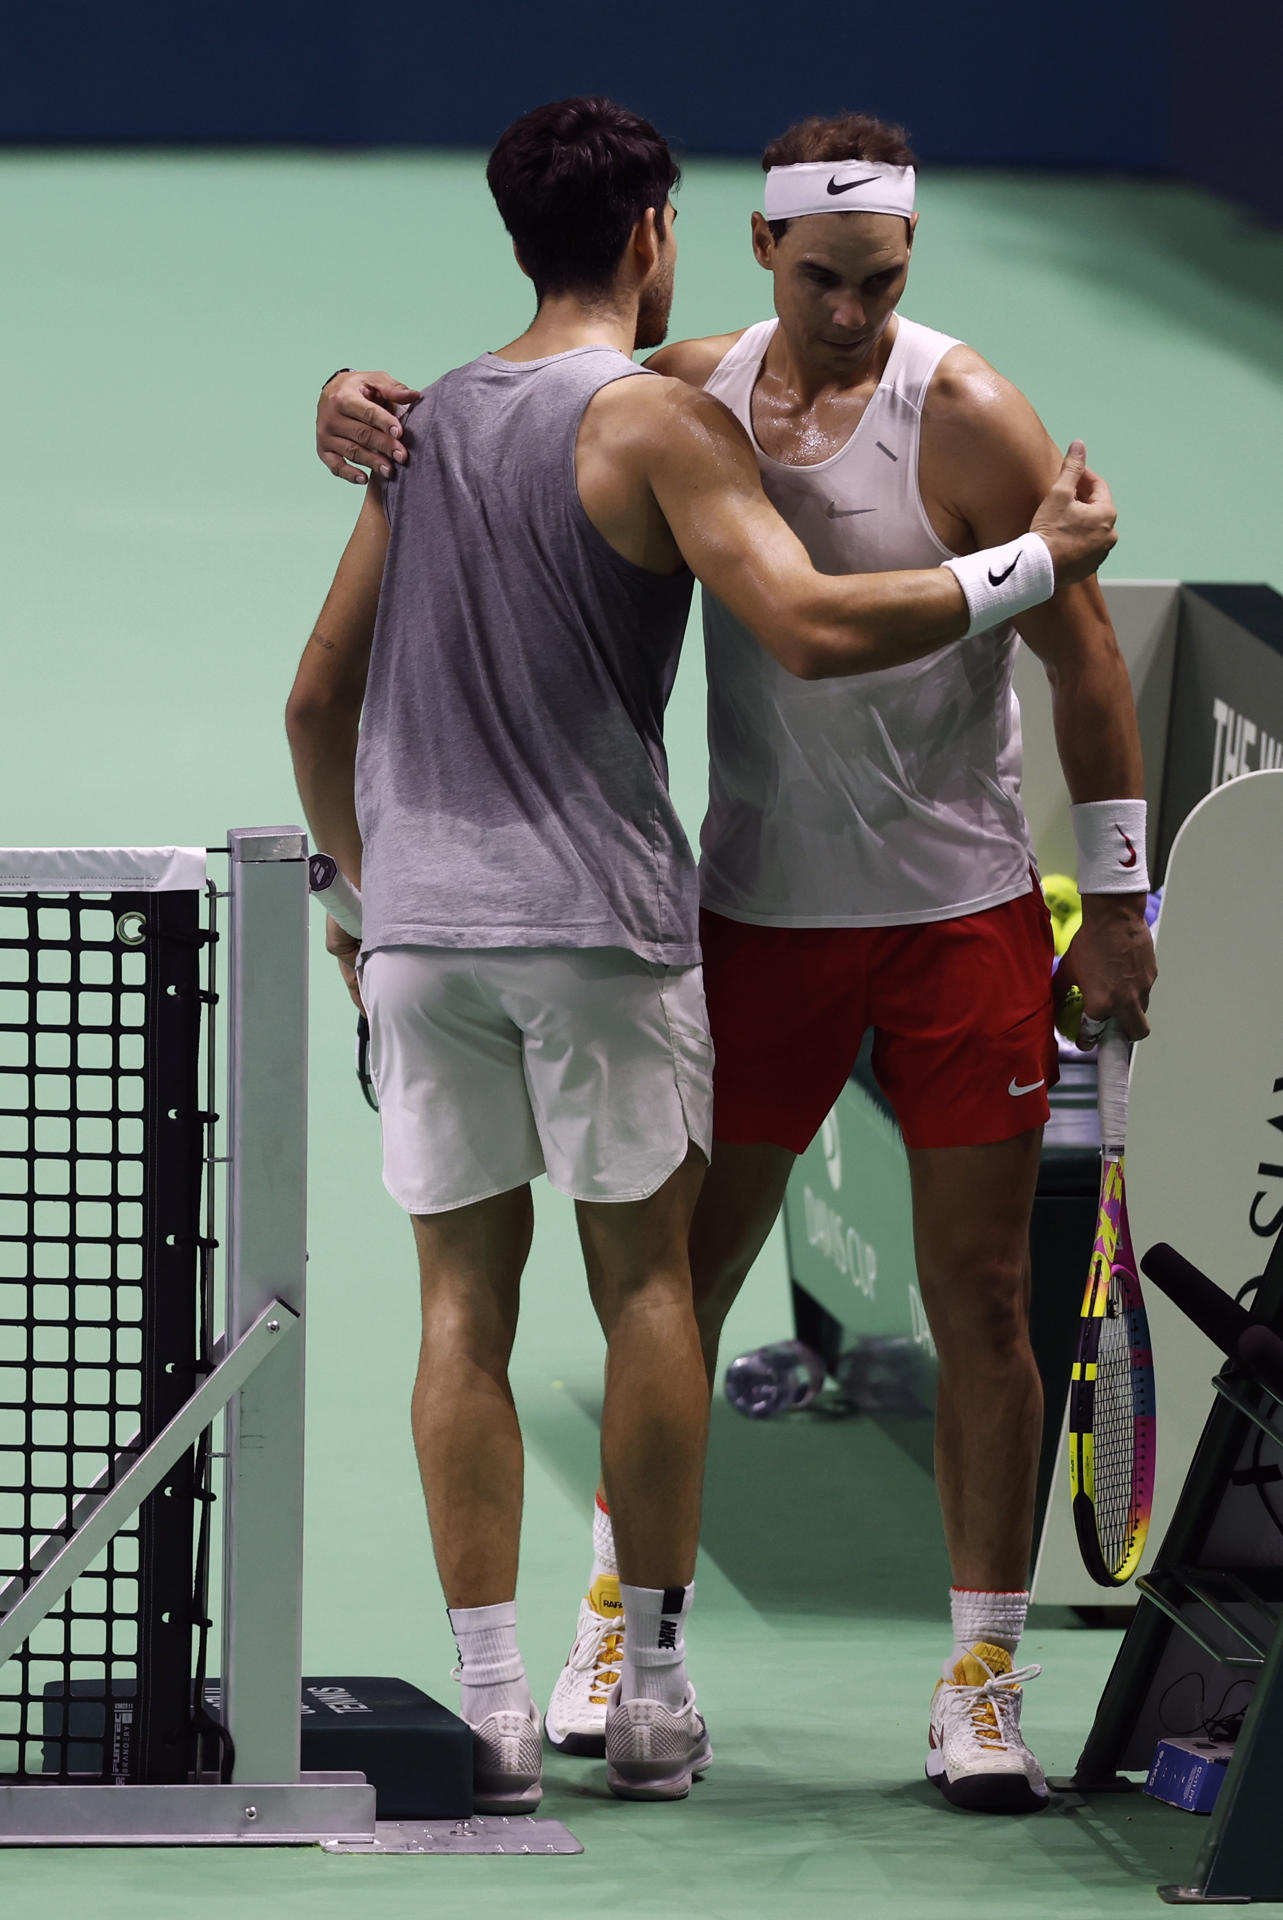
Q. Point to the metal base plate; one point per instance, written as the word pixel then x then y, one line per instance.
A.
pixel 314 1810
pixel 1191 1897
pixel 483 1833
pixel 1101 1783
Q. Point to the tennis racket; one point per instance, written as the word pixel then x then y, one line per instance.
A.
pixel 1111 1396
pixel 363 1074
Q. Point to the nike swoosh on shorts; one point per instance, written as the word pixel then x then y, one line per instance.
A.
pixel 1015 1091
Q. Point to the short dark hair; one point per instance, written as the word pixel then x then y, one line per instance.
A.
pixel 571 181
pixel 845 136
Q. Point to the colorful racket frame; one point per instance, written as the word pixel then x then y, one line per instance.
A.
pixel 1112 1258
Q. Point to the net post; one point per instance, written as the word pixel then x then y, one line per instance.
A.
pixel 266 1256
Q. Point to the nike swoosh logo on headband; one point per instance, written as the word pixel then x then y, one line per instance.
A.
pixel 845 513
pixel 996 579
pixel 847 185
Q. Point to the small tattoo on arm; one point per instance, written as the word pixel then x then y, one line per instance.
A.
pixel 319 640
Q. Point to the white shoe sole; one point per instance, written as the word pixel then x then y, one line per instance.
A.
pixel 524 1801
pixel 658 1779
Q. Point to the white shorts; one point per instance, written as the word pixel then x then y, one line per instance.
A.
pixel 495 1065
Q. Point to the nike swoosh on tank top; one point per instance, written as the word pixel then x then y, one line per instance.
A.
pixel 882 799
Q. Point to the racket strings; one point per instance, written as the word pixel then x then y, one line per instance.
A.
pixel 1114 1431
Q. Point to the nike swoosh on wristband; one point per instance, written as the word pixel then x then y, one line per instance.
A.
pixel 1016 1090
pixel 996 579
pixel 844 513
pixel 1130 861
pixel 847 185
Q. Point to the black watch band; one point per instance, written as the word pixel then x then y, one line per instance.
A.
pixel 334 376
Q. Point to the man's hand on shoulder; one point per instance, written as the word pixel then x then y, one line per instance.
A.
pixel 356 426
pixel 1077 519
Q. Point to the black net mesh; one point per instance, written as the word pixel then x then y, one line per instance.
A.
pixel 100 1154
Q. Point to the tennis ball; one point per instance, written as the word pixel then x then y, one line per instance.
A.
pixel 1064 904
pixel 1069 1011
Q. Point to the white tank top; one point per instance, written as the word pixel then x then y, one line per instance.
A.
pixel 888 797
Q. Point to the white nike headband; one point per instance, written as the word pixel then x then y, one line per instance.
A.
pixel 838 186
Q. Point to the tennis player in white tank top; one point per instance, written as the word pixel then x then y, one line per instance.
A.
pixel 866 864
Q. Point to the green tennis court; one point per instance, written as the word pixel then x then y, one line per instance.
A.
pixel 171 536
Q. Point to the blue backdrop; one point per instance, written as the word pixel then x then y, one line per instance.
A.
pixel 1133 84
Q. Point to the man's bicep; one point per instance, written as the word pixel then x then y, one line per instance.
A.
pixel 990 458
pixel 705 478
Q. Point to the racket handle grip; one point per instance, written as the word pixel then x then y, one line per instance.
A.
pixel 335 892
pixel 1113 1068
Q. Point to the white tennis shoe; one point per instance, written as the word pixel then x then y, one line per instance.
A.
pixel 654 1752
pixel 976 1755
pixel 576 1718
pixel 507 1762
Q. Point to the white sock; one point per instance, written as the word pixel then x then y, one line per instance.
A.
pixel 998 1618
pixel 492 1673
pixel 603 1542
pixel 654 1666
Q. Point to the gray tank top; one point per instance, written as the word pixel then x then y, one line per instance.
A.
pixel 511 781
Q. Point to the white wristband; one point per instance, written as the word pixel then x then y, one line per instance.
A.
pixel 335 892
pixel 1001 582
pixel 1111 846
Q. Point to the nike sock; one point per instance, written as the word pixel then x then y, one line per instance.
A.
pixel 998 1618
pixel 603 1542
pixel 491 1669
pixel 654 1666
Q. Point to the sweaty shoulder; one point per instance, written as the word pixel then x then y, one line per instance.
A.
pixel 694 361
pixel 640 437
pixel 970 404
pixel 985 452
pixel 650 411
pixel 967 392
pixel 970 410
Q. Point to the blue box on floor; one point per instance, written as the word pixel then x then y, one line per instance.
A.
pixel 1189 1773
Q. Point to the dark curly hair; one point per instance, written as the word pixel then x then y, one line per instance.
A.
pixel 571 181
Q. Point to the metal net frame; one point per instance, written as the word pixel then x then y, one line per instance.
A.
pixel 102 1139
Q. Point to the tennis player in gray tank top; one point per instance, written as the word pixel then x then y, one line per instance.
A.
pixel 538 662
pixel 506 632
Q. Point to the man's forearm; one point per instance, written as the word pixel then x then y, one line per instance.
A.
pixel 323 747
pixel 886 619
pixel 863 623
pixel 1096 733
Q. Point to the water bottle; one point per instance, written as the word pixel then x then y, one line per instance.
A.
pixel 774 1379
pixel 881 1374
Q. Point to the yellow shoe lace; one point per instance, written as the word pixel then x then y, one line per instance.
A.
pixel 606 1669
pixel 994 1697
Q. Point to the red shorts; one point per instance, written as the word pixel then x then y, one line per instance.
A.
pixel 963 1043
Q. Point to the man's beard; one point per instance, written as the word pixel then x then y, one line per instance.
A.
pixel 653 312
